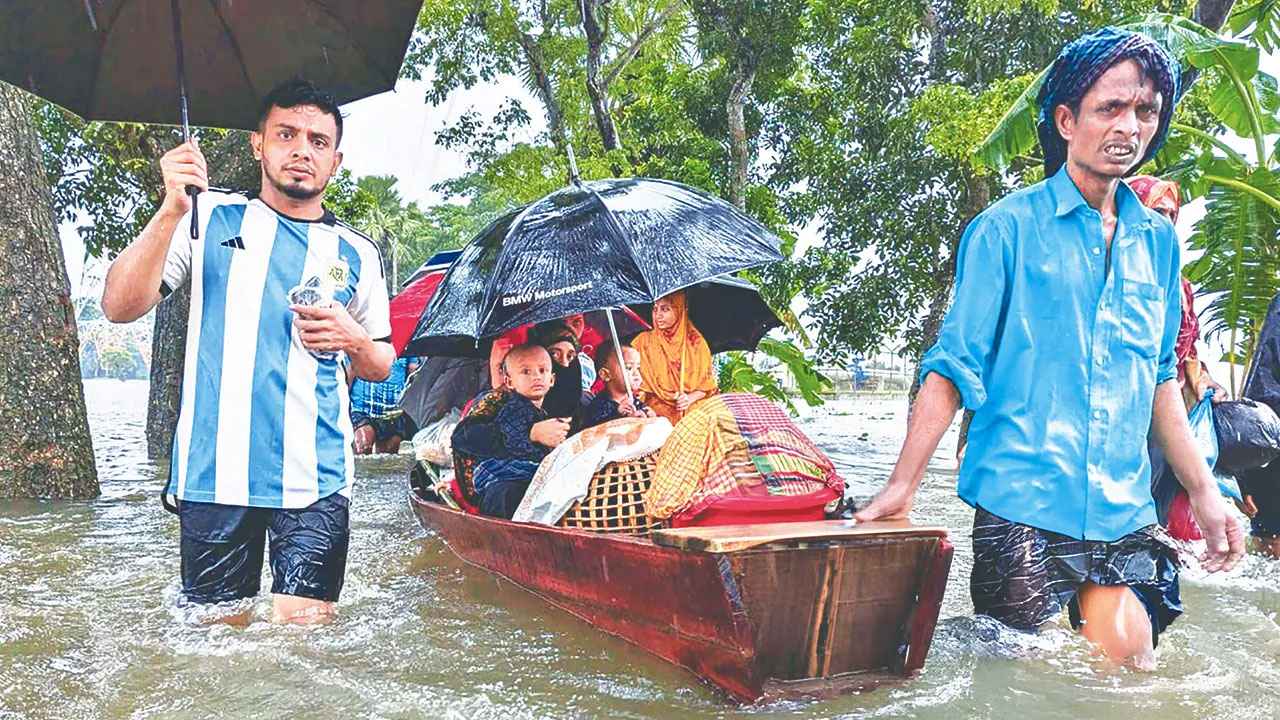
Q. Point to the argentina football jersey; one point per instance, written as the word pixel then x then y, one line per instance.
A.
pixel 264 422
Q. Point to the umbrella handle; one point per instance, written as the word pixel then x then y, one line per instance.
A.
pixel 617 348
pixel 194 192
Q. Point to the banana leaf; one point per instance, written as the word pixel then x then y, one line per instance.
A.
pixel 1240 264
pixel 1263 16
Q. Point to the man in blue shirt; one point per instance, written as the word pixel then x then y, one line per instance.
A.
pixel 1061 339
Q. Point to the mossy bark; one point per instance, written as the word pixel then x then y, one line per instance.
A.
pixel 45 447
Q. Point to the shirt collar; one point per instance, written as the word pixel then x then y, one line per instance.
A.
pixel 1066 195
pixel 1067 198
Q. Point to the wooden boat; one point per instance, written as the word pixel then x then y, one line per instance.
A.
pixel 781 610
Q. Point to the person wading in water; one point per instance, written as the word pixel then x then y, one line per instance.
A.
pixel 280 289
pixel 1061 340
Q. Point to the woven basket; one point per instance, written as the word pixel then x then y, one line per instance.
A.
pixel 615 499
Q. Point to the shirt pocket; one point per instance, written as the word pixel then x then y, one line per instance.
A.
pixel 1142 317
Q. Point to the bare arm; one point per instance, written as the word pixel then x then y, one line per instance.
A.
pixel 934 409
pixel 372 360
pixel 1224 539
pixel 133 281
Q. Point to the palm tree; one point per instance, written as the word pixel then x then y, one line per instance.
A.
pixel 389 221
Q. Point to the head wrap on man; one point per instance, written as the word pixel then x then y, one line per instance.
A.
pixel 1079 66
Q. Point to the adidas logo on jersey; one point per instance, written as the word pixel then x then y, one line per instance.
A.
pixel 235 243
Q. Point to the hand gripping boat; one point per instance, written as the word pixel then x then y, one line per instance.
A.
pixel 763 612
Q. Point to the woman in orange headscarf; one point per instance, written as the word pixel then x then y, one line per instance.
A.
pixel 675 362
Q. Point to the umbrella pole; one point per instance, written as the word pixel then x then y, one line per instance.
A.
pixel 617 348
pixel 193 191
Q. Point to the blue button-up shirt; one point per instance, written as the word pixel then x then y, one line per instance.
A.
pixel 1060 358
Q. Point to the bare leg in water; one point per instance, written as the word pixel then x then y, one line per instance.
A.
pixel 1115 620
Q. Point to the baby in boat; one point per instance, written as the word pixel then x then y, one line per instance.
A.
pixel 525 432
pixel 614 400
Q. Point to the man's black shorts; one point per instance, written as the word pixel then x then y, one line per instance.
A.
pixel 222 548
pixel 1024 576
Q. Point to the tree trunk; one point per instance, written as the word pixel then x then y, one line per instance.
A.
pixel 977 197
pixel 546 90
pixel 1212 13
pixel 739 150
pixel 164 396
pixel 597 90
pixel 44 427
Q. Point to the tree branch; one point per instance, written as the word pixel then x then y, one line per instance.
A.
pixel 620 63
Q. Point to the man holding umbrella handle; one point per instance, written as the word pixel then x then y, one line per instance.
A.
pixel 280 290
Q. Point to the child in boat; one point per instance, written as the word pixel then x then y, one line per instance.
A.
pixel 614 401
pixel 525 433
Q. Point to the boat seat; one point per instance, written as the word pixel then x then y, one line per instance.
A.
pixel 734 538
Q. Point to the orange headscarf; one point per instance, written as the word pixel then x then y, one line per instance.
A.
pixel 676 360
pixel 1151 190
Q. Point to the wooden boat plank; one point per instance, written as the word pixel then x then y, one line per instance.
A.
pixel 844 613
pixel 749 620
pixel 735 538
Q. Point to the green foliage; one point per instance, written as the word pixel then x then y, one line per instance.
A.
pixel 738 374
pixel 106 176
pixel 958 121
pixel 1262 18
pixel 347 200
pixel 119 363
pixel 810 383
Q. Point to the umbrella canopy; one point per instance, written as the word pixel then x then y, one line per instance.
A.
pixel 407 305
pixel 114 59
pixel 588 246
pixel 729 313
pixel 442 384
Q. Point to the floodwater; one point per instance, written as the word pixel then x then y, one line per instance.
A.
pixel 90 628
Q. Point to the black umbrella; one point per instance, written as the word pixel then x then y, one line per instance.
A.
pixel 588 246
pixel 113 59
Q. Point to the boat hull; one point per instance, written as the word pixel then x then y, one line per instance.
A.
pixel 798 617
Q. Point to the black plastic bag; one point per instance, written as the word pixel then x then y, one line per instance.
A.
pixel 1248 435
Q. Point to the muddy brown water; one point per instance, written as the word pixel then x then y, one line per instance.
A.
pixel 90 625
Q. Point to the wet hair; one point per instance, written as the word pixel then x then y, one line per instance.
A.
pixel 522 350
pixel 1146 74
pixel 294 92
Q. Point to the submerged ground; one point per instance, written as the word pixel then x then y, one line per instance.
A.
pixel 89 626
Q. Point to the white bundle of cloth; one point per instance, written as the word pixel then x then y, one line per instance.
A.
pixel 564 476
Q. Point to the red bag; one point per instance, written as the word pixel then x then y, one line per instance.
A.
pixel 1182 524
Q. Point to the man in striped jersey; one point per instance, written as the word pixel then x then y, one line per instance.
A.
pixel 263 443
